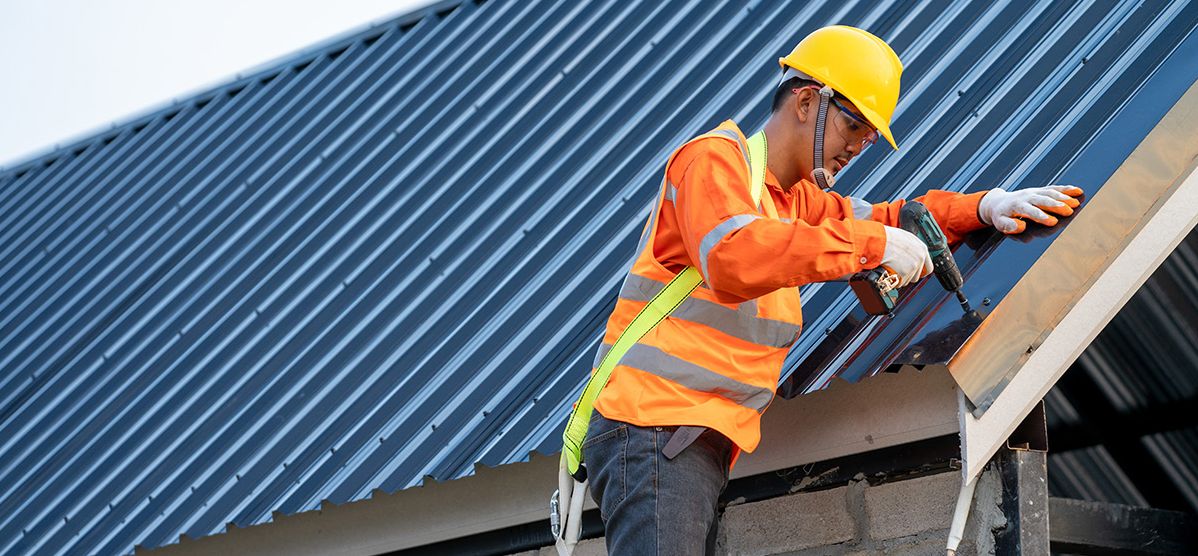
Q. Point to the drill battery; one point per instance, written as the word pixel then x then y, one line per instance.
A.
pixel 876 289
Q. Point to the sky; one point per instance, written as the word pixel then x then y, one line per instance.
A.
pixel 74 67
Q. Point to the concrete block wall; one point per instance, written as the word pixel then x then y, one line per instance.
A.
pixel 909 517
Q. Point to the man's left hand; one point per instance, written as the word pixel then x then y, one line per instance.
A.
pixel 1006 210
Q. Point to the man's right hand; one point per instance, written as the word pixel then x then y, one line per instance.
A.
pixel 906 256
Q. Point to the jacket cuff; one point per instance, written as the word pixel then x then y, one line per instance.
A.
pixel 869 243
pixel 963 213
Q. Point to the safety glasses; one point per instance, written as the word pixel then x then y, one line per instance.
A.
pixel 853 128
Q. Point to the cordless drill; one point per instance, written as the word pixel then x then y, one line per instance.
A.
pixel 877 289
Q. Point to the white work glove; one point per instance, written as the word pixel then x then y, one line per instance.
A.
pixel 1005 209
pixel 906 256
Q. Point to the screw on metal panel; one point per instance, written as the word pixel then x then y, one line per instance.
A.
pixel 986 301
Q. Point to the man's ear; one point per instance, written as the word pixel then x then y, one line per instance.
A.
pixel 802 104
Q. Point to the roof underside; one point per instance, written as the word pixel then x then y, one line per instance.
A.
pixel 393 259
pixel 1121 422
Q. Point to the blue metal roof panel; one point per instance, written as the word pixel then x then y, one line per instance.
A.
pixel 393 259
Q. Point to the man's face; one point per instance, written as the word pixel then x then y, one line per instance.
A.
pixel 846 133
pixel 852 135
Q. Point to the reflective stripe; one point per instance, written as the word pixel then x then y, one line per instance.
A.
pixel 603 349
pixel 756 183
pixel 785 220
pixel 862 210
pixel 742 322
pixel 661 364
pixel 671 192
pixel 719 232
pixel 733 136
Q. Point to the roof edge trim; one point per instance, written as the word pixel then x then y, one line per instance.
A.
pixel 1133 223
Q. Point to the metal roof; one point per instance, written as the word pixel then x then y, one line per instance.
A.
pixel 392 259
pixel 1122 425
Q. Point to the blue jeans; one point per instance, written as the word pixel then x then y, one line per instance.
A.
pixel 650 504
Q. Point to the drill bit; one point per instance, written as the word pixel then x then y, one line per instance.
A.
pixel 964 302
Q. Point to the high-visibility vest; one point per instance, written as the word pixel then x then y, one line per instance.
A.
pixel 674 355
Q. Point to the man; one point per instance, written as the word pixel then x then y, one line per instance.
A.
pixel 682 402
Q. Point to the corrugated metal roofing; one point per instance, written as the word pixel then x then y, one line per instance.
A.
pixel 392 259
pixel 1122 425
pixel 1077 133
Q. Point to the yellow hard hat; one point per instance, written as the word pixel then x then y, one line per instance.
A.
pixel 855 64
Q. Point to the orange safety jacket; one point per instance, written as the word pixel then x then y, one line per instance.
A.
pixel 715 360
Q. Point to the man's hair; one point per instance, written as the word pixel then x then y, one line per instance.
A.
pixel 783 91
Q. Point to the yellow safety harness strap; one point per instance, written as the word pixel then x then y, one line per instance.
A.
pixel 656 310
pixel 757 152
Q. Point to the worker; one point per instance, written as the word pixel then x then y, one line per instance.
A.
pixel 711 367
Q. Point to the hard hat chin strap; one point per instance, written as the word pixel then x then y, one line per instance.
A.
pixel 823 178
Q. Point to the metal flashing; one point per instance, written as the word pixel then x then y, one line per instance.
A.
pixel 1148 206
